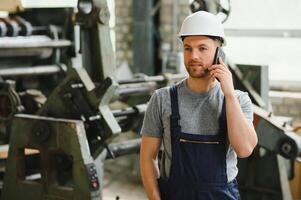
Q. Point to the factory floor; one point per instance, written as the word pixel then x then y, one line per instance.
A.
pixel 122 180
pixel 122 176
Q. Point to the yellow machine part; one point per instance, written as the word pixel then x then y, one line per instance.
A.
pixel 11 5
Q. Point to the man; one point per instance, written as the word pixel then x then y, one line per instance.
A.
pixel 202 122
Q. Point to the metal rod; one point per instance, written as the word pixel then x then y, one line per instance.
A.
pixel 159 78
pixel 124 148
pixel 144 79
pixel 146 84
pixel 138 109
pixel 124 112
pixel 32 70
pixel 137 90
pixel 32 41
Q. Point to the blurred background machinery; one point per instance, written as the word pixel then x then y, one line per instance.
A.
pixel 64 99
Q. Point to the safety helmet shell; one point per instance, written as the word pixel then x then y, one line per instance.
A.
pixel 202 23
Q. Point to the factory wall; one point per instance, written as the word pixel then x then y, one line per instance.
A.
pixel 124 26
pixel 287 104
pixel 124 33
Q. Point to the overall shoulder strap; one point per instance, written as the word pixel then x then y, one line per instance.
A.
pixel 175 116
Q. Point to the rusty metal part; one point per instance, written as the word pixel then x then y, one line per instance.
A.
pixel 9 101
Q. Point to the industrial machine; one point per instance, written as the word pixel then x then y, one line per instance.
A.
pixel 61 136
pixel 58 143
pixel 266 173
pixel 56 117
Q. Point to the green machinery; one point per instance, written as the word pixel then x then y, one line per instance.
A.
pixel 62 158
pixel 58 144
pixel 57 147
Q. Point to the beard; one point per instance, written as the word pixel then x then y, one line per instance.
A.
pixel 197 72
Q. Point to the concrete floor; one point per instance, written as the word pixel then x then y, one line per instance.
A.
pixel 122 179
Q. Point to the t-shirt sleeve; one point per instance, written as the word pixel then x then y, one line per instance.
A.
pixel 152 123
pixel 246 106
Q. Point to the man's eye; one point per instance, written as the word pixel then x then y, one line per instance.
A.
pixel 187 49
pixel 202 49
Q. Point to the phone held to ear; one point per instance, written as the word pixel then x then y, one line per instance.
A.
pixel 219 53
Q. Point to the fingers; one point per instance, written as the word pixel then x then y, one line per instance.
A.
pixel 219 72
pixel 218 76
pixel 221 61
pixel 218 66
pixel 216 72
pixel 221 65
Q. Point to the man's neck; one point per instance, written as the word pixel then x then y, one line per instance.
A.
pixel 200 85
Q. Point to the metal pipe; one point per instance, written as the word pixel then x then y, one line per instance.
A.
pixel 33 70
pixel 124 112
pixel 143 79
pixel 138 109
pixel 33 41
pixel 124 148
pixel 159 78
pixel 146 84
pixel 137 90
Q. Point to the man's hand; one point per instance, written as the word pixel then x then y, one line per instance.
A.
pixel 223 74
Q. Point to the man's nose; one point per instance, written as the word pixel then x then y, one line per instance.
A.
pixel 194 54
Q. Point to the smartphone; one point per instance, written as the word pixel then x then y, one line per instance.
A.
pixel 219 53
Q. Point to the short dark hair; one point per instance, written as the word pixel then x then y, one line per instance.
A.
pixel 215 38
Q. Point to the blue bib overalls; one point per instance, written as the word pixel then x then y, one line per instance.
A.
pixel 198 166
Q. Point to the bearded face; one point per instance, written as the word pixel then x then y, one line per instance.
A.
pixel 198 55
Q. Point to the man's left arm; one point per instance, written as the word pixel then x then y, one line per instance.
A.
pixel 241 133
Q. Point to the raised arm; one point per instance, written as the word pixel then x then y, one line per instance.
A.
pixel 241 133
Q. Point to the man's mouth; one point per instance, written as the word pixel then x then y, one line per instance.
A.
pixel 195 65
pixel 200 66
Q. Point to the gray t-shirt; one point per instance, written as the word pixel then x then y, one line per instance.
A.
pixel 199 115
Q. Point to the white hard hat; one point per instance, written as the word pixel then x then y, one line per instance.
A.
pixel 202 23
